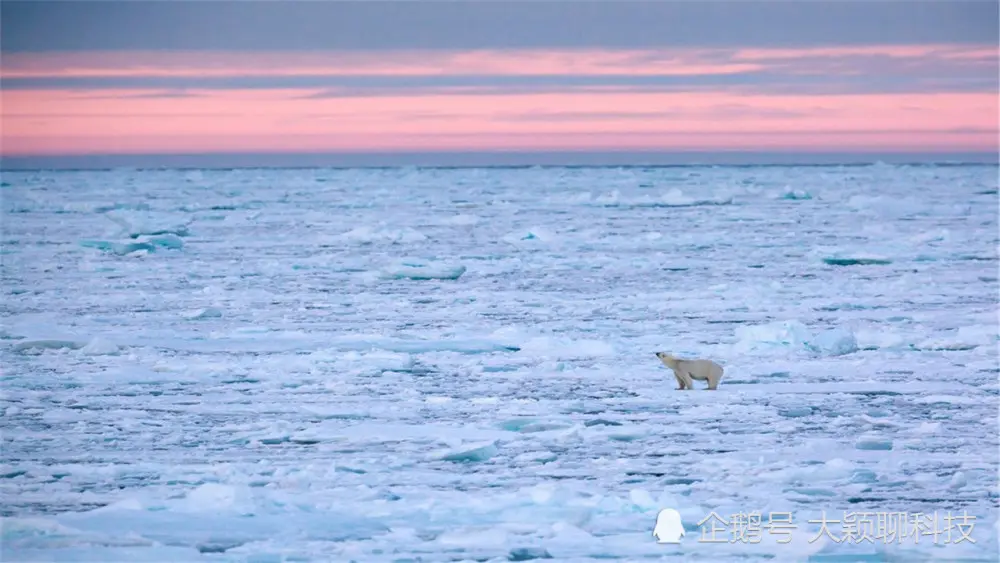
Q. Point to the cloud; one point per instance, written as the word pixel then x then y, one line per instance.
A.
pixel 279 114
pixel 302 25
pixel 151 76
pixel 875 69
pixel 153 95
pixel 713 112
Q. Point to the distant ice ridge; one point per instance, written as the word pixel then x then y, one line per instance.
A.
pixel 671 198
pixel 884 206
pixel 530 236
pixel 857 259
pixel 33 334
pixel 418 269
pixel 793 335
pixel 135 224
pixel 794 195
pixel 141 244
pixel 370 362
pixel 24 204
pixel 854 257
pixel 964 338
pixel 96 346
pixel 201 314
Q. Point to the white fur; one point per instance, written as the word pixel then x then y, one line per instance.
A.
pixel 687 370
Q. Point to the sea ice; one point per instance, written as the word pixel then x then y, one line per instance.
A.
pixel 369 235
pixel 533 235
pixel 415 269
pixel 514 411
pixel 134 223
pixel 204 313
pixel 793 335
pixel 471 453
pixel 99 346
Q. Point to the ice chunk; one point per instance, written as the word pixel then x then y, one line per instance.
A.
pixel 793 335
pixel 671 198
pixel 795 195
pixel 883 338
pixel 965 338
pixel 851 259
pixel 676 198
pixel 139 244
pixel 198 314
pixel 796 412
pixel 528 554
pixel 377 361
pixel 134 224
pixel 835 342
pixel 99 346
pixel 414 269
pixel 531 235
pixel 214 497
pixel 47 344
pixel 96 346
pixel 472 453
pixel 542 457
pixel 642 499
pixel 937 235
pixel 782 334
pixel 119 248
pixel 948 400
pixel 165 240
pixel 873 442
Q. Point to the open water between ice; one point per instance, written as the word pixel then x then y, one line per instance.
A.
pixel 393 365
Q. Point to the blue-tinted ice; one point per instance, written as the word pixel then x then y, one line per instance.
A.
pixel 449 365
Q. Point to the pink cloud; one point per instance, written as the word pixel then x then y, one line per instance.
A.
pixel 281 120
pixel 577 62
pixel 382 63
pixel 602 116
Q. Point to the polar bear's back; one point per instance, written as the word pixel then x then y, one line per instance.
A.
pixel 702 368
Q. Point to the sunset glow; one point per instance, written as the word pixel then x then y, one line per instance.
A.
pixel 939 97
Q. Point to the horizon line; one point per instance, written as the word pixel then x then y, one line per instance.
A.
pixel 486 159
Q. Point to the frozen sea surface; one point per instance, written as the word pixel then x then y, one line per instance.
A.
pixel 457 364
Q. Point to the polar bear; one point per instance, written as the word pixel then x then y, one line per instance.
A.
pixel 687 370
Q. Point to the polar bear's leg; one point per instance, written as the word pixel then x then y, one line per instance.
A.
pixel 680 379
pixel 714 375
pixel 685 377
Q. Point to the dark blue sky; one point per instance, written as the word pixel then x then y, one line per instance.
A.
pixel 46 25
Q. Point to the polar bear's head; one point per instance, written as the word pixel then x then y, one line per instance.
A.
pixel 667 359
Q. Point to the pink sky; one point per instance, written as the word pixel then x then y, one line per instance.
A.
pixel 868 98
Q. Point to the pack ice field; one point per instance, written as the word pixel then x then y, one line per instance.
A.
pixel 420 364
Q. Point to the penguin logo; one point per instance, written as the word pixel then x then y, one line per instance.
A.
pixel 668 528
